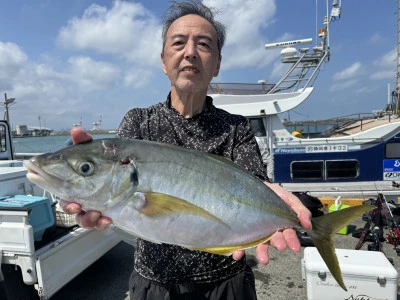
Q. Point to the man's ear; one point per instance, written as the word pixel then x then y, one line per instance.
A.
pixel 163 64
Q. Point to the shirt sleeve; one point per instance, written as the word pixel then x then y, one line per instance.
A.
pixel 130 125
pixel 246 152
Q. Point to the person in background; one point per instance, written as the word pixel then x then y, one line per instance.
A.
pixel 191 57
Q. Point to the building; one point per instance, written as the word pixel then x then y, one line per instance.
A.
pixel 25 130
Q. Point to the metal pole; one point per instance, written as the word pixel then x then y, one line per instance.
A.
pixel 398 63
pixel 6 105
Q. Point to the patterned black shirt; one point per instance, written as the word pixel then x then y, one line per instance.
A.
pixel 212 131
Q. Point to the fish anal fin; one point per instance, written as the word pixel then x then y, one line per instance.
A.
pixel 228 250
pixel 158 204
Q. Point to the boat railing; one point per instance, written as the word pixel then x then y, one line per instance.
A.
pixel 25 155
pixel 239 88
pixel 298 76
pixel 339 125
pixel 329 140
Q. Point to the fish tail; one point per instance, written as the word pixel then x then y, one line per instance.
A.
pixel 323 229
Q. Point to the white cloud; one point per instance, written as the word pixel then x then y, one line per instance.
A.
pixel 12 60
pixel 387 74
pixel 138 77
pixel 348 73
pixel 245 21
pixel 375 38
pixel 92 75
pixel 343 85
pixel 127 30
pixel 11 55
pixel 130 31
pixel 387 60
pixel 386 66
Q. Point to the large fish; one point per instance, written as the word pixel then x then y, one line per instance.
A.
pixel 168 194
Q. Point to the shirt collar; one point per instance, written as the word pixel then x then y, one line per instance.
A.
pixel 208 108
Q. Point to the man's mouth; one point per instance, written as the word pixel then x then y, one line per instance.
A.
pixel 190 69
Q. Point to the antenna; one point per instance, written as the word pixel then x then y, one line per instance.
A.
pixel 288 43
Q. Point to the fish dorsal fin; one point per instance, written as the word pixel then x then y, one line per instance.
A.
pixel 228 250
pixel 158 204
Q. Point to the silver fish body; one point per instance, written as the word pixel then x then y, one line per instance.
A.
pixel 168 194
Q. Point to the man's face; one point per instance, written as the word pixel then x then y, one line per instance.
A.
pixel 190 56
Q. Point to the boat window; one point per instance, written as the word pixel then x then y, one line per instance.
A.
pixel 342 169
pixel 2 138
pixel 307 170
pixel 257 125
pixel 392 150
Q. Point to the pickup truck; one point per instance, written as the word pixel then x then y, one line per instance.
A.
pixel 37 269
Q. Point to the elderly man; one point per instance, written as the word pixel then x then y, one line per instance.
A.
pixel 191 57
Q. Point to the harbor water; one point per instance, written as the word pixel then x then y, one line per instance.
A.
pixel 44 144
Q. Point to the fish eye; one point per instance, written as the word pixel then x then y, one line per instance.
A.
pixel 86 168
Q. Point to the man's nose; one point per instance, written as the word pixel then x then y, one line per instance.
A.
pixel 190 50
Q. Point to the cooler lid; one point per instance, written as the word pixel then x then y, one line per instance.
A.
pixel 352 262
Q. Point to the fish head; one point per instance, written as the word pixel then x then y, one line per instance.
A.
pixel 85 174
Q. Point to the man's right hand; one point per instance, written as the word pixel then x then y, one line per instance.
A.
pixel 90 218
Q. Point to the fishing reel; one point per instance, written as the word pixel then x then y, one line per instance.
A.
pixel 376 245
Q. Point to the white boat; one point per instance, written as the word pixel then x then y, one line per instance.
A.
pixel 355 165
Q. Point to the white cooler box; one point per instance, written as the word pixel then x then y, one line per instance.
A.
pixel 366 274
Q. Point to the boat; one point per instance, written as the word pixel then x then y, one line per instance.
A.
pixel 355 164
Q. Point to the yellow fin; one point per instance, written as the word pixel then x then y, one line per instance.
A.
pixel 322 230
pixel 228 250
pixel 161 204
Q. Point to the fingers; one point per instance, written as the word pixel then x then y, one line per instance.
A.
pixel 238 254
pixel 287 238
pixel 79 136
pixel 70 207
pixel 291 239
pixel 305 218
pixel 262 253
pixel 303 214
pixel 91 219
pixel 280 241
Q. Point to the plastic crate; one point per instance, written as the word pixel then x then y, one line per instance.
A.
pixel 41 216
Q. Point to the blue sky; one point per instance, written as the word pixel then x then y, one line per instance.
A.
pixel 65 61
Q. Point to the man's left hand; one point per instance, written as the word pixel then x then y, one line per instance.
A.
pixel 288 237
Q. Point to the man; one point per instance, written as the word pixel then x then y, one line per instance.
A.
pixel 191 57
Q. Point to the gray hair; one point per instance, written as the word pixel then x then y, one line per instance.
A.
pixel 195 7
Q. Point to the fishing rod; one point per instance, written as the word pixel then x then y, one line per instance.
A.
pixel 393 237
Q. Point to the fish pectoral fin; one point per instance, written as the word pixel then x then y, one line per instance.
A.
pixel 228 250
pixel 158 204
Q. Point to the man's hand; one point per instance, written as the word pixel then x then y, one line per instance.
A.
pixel 287 238
pixel 90 218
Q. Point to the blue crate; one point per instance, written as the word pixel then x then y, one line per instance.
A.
pixel 41 216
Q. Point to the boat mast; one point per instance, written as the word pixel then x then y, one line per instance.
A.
pixel 398 62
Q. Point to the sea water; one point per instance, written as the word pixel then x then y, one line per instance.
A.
pixel 44 144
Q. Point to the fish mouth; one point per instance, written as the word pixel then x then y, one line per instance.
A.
pixel 36 175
